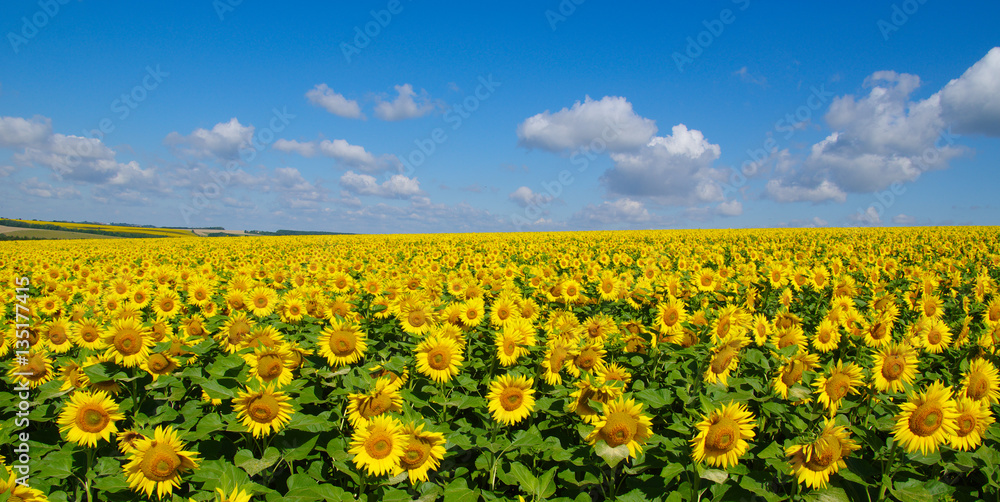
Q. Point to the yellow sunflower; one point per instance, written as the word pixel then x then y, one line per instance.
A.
pixel 128 342
pixel 89 417
pixel 271 366
pixel 379 446
pixel 813 463
pixel 935 335
pixel 841 381
pixel 263 411
pixel 439 358
pixel 86 333
pixel 159 364
pixel 167 304
pixel 590 389
pixel 974 418
pixel 511 398
pixel 556 358
pixel 509 347
pixel 723 435
pixel 982 382
pixel 156 465
pixel 792 371
pixel 827 336
pixel 622 423
pixel 423 452
pixel 342 343
pixel 589 358
pixel 127 440
pixel 34 370
pixel 927 420
pixel 262 301
pixel 895 366
pixel 670 315
pixel 472 312
pixel 362 408
pixel 18 492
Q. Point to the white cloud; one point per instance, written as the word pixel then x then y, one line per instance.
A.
pixel 610 122
pixel 404 106
pixel 322 95
pixel 32 186
pixel 223 141
pixel 617 211
pixel 17 132
pixel 826 190
pixel 6 170
pixel 396 187
pixel 752 78
pixel 729 208
pixel 524 197
pixel 903 219
pixel 674 169
pixel 972 102
pixel 349 155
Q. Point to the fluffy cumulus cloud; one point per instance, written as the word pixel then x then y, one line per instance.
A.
pixel 353 156
pixel 323 96
pixel 294 191
pixel 972 102
pixel 525 197
pixel 729 208
pixel 611 212
pixel 608 123
pixel 674 169
pixel 396 187
pixel 407 105
pixel 223 141
pixel 18 132
pixel 37 188
pixel 777 191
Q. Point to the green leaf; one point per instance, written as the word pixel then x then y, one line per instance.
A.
pixel 921 491
pixel 547 483
pixel 459 491
pixel 611 456
pixel 246 460
pixel 525 479
pixel 216 390
pixel 773 450
pixel 302 451
pixel 830 494
pixel 715 475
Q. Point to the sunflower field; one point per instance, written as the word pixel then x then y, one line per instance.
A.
pixel 749 365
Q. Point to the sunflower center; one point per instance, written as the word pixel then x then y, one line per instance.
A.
pixel 343 343
pixel 92 418
pixel 199 295
pixel 269 367
pixel 587 359
pixel 416 453
pixel 926 419
pixel 793 373
pixel 979 387
pixel 89 335
pixel 966 424
pixel 934 336
pixel 892 367
pixel 720 363
pixel 166 305
pixel 375 405
pixel 379 445
pixel 503 313
pixel 509 347
pixel 128 342
pixel 670 316
pixel 472 314
pixel 511 398
pixel 722 436
pixel 160 463
pixel 57 336
pixel 723 328
pixel 263 409
pixel 825 336
pixel 619 429
pixel 438 358
pixel 158 363
pixel 837 386
pixel 416 318
pixel 823 454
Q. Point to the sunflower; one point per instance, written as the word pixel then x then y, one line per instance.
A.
pixel 86 333
pixel 879 333
pixel 841 381
pixel 89 417
pixel 930 306
pixel 472 312
pixel 33 370
pixel 509 347
pixel 722 435
pixel 705 280
pixel 894 366
pixel 167 304
pixel 439 358
pixel 511 398
pixel 72 376
pixel 128 342
pixel 556 358
pixel 927 419
pixel 622 423
pixel 379 446
pixel 935 335
pixel 418 319
pixel 503 310
pixel 827 336
pixel 974 418
pixel 981 382
pixel 234 331
pixel 614 372
pixel 762 328
pixel 724 360
pixel 19 492
pixel 236 495
pixel 670 315
pixel 156 465
pixel 423 452
pixel 262 301
pixel 385 397
pixel 792 335
pixel 159 364
pixel 127 440
pixel 791 372
pixel 342 343
pixel 292 309
pixel 263 411
pixel 56 335
pixel 589 358
pixel 813 463
pixel 591 389
pixel 270 365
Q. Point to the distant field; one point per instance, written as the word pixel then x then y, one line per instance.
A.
pixel 138 231
pixel 50 234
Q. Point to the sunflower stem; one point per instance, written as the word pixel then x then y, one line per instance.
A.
pixel 887 470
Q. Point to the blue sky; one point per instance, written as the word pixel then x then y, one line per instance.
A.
pixel 571 115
